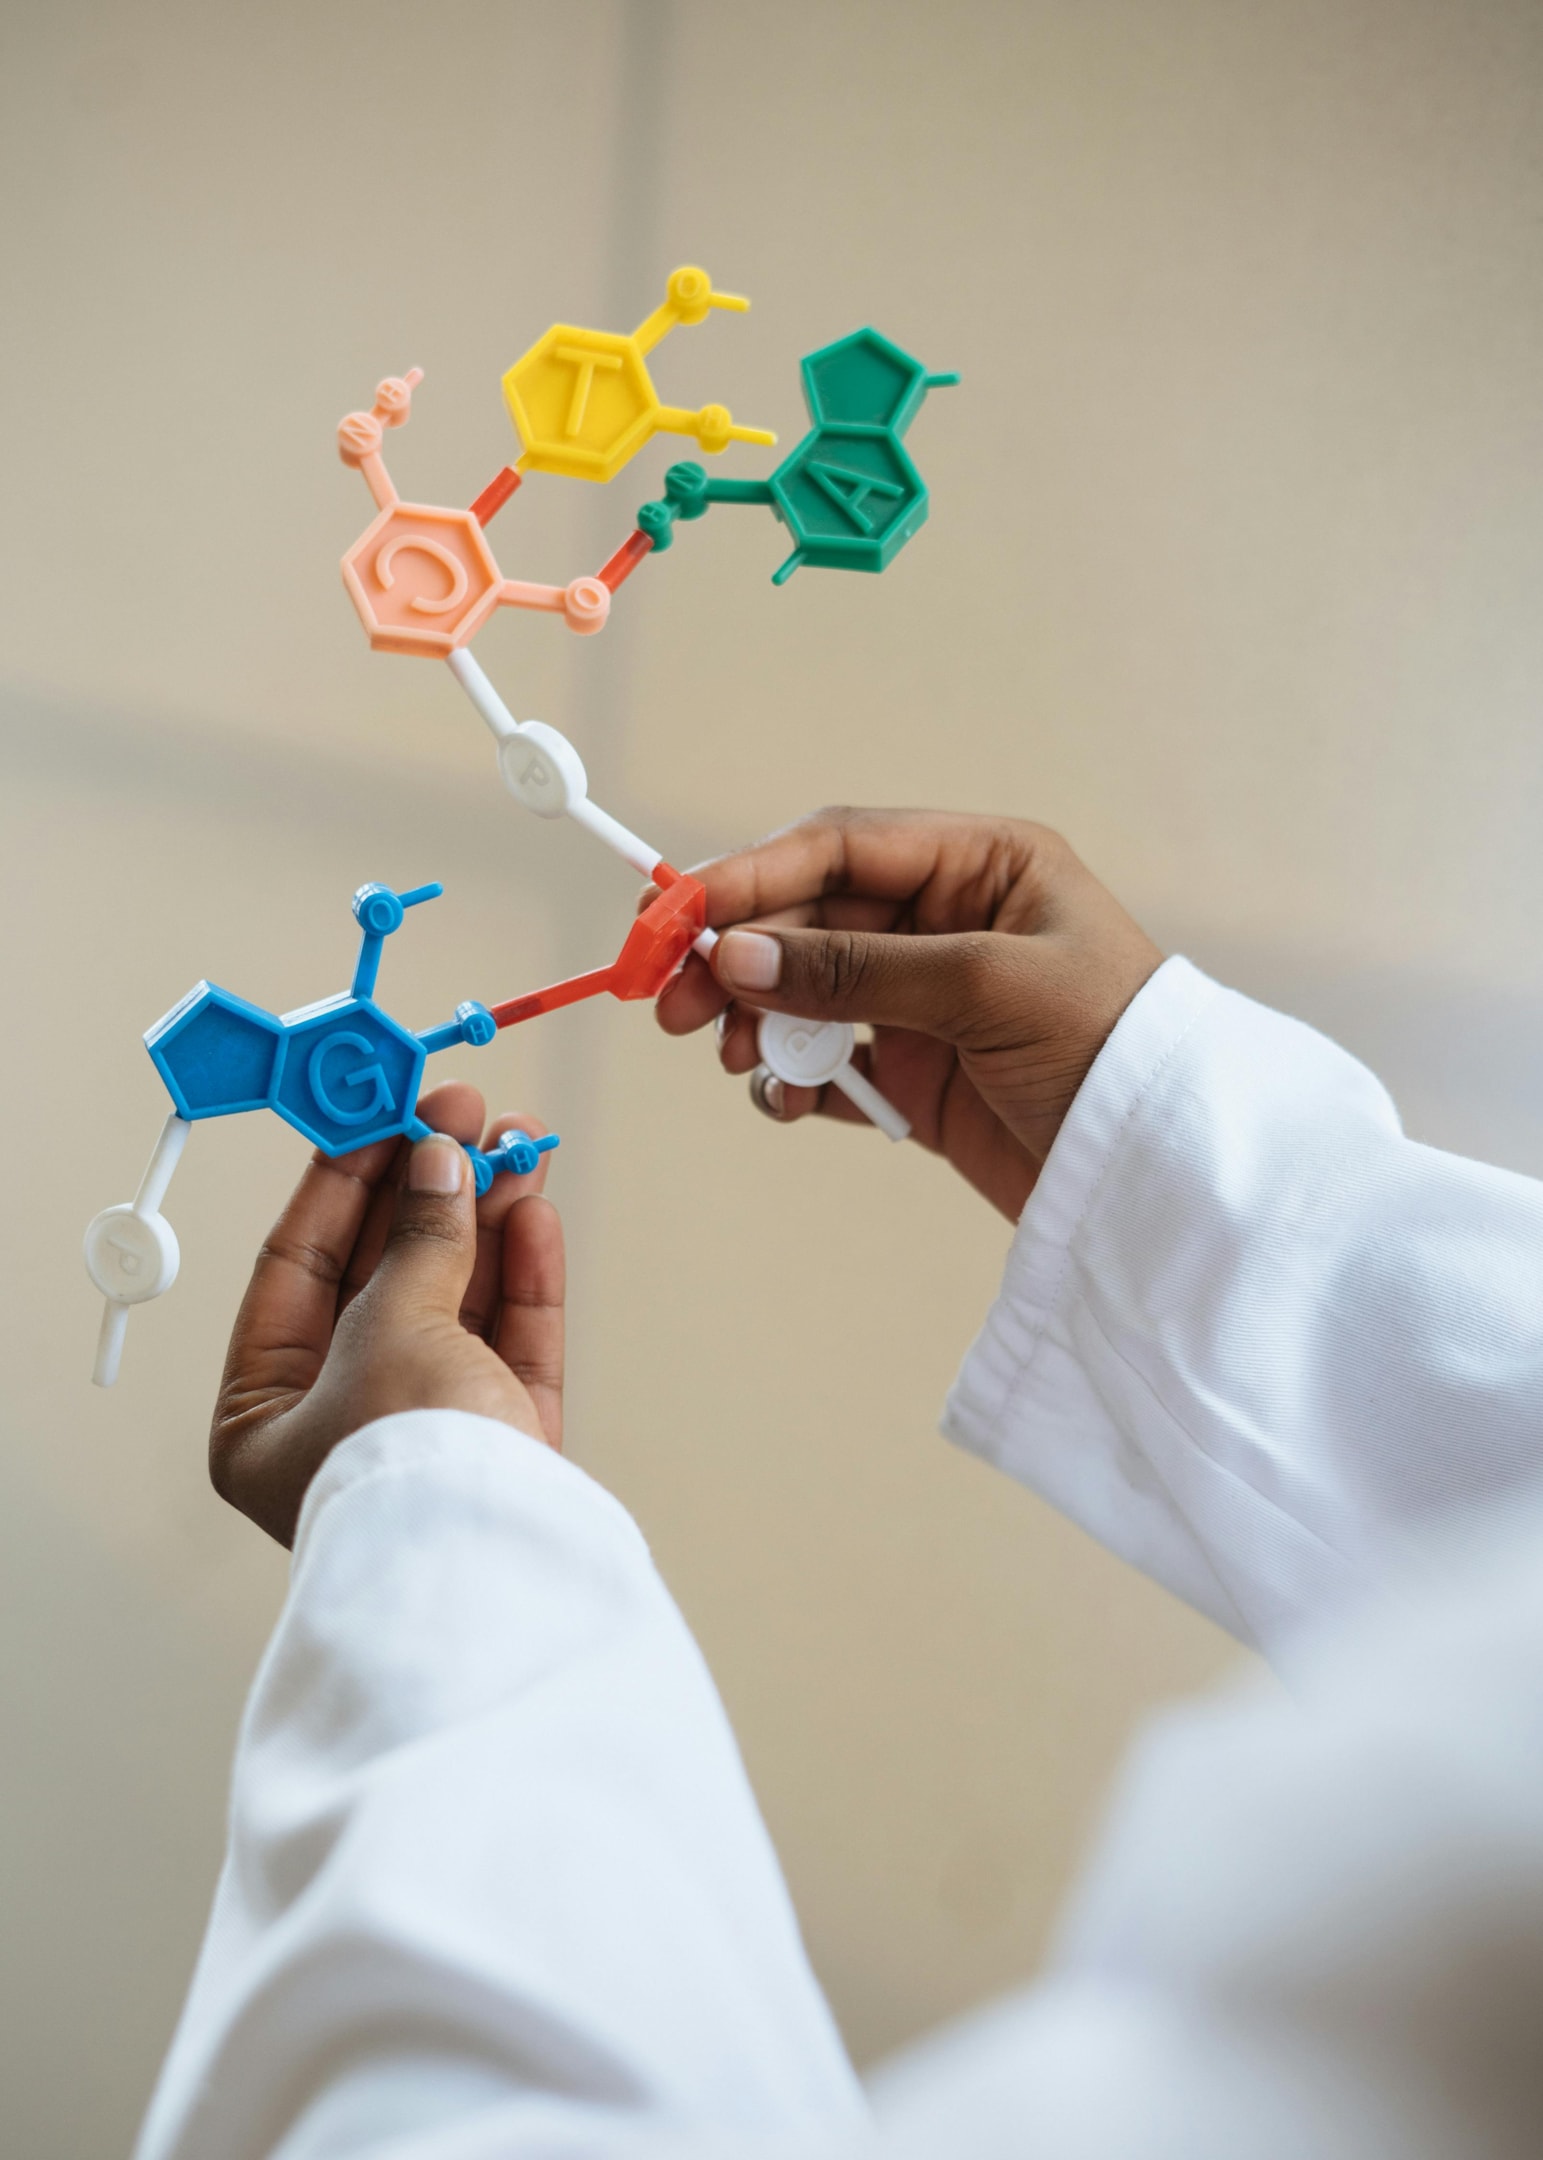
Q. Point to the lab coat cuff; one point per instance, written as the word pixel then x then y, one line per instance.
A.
pixel 1002 1370
pixel 440 1449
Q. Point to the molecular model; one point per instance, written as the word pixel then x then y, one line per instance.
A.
pixel 424 580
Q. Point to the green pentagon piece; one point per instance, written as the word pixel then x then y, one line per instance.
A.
pixel 866 381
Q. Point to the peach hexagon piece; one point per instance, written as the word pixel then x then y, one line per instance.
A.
pixel 423 579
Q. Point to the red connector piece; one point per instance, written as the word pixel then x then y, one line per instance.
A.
pixel 655 946
pixel 625 560
pixel 661 937
pixel 495 495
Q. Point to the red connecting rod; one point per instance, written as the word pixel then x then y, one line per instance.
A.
pixel 655 946
pixel 611 574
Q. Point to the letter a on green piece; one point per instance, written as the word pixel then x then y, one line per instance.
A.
pixel 849 491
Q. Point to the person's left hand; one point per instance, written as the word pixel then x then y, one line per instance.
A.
pixel 386 1285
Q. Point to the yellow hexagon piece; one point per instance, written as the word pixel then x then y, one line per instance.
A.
pixel 582 400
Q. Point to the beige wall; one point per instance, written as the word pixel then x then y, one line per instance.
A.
pixel 1233 572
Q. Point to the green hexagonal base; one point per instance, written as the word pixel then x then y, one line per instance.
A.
pixel 850 497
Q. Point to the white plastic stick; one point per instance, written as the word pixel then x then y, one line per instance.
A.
pixel 544 772
pixel 164 1158
pixel 876 1108
pixel 611 833
pixel 818 1053
pixel 468 673
pixel 131 1250
pixel 109 1343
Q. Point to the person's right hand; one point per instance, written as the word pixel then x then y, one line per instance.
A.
pixel 991 964
pixel 386 1286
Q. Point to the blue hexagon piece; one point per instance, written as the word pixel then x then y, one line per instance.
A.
pixel 349 1074
pixel 216 1052
pixel 850 497
pixel 865 381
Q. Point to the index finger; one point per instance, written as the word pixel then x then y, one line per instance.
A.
pixel 694 996
pixel 879 854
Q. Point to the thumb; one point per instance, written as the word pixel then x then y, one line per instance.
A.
pixel 432 1243
pixel 936 985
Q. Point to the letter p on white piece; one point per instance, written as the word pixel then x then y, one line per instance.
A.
pixel 810 1053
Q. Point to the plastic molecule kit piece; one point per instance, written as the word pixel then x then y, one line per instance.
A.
pixel 424 580
pixel 849 493
pixel 656 945
pixel 132 1253
pixel 812 1053
pixel 544 772
pixel 423 576
pixel 343 1073
pixel 584 404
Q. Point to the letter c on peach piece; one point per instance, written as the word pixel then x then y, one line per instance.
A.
pixel 423 545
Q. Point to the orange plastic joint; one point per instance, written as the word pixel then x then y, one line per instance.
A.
pixel 495 495
pixel 513 1010
pixel 661 937
pixel 654 948
pixel 625 560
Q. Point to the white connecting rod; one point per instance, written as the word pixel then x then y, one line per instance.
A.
pixel 542 770
pixel 810 1053
pixel 131 1250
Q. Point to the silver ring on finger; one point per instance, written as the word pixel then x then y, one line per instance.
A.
pixel 766 1092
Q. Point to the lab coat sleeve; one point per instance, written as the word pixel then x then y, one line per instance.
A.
pixel 1250 1336
pixel 1313 1927
pixel 494 1868
pixel 496 1889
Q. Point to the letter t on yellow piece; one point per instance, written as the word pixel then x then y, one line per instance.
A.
pixel 583 401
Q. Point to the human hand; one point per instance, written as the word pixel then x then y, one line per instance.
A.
pixel 991 964
pixel 385 1285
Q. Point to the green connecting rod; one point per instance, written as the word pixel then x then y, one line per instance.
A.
pixel 688 493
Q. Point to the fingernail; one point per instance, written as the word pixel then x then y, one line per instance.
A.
pixel 750 961
pixel 437 1166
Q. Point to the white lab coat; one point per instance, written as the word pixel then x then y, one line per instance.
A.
pixel 497 1885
